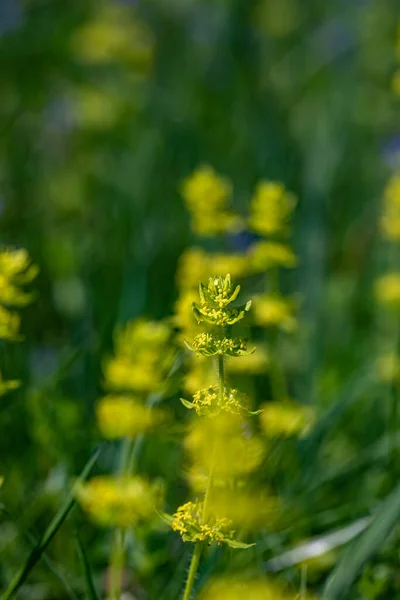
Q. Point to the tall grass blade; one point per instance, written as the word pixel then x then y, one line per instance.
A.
pixel 91 591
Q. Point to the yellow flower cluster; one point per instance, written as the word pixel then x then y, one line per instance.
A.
pixel 271 208
pixel 387 290
pixel 390 218
pixel 16 271
pixel 121 416
pixel 114 34
pixel 143 355
pixel 119 502
pixel 265 255
pixel 208 402
pixel 286 419
pixel 232 588
pixel 246 508
pixel 210 344
pixel 188 522
pixel 275 311
pixel 207 196
pixel 215 300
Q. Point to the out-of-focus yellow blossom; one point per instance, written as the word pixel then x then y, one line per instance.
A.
pixel 9 325
pixel 143 355
pixel 233 588
pixel 201 372
pixel 223 444
pixel 119 502
pixel 209 402
pixel 252 364
pixel 119 416
pixel 266 255
pixel 207 196
pixel 8 386
pixel 247 509
pixel 97 108
pixel 387 290
pixel 114 34
pixel 271 208
pixel 390 218
pixel 235 264
pixel 271 310
pixel 183 317
pixel 193 266
pixel 387 367
pixel 286 419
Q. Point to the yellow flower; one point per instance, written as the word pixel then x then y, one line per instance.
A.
pixel 388 367
pixel 273 310
pixel 114 34
pixel 266 255
pixel 234 588
pixel 194 265
pixel 286 419
pixel 187 521
pixel 8 386
pixel 390 218
pixel 143 356
pixel 119 502
pixel 223 443
pixel 207 196
pixel 387 290
pixel 201 372
pixel 271 208
pixel 16 271
pixel 247 509
pixel 208 401
pixel 9 325
pixel 119 416
pixel 235 264
pixel 97 108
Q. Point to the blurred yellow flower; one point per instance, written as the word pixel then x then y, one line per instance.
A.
pixel 194 265
pixel 286 419
pixel 16 270
pixel 271 208
pixel 390 218
pixel 234 588
pixel 9 325
pixel 251 364
pixel 207 196
pixel 143 356
pixel 114 34
pixel 235 264
pixel 266 255
pixel 387 290
pixel 247 509
pixel 8 386
pixel 396 82
pixel 119 416
pixel 275 311
pixel 224 444
pixel 96 108
pixel 113 502
pixel 387 367
pixel 201 372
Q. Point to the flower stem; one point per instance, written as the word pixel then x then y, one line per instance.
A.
pixel 221 377
pixel 194 564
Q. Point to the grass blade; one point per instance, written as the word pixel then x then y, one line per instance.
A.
pixel 50 532
pixel 363 548
pixel 90 587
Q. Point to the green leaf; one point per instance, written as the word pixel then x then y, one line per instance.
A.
pixel 50 532
pixel 186 403
pixel 87 572
pixel 237 545
pixel 364 547
pixel 166 517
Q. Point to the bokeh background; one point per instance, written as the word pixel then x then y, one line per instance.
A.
pixel 105 109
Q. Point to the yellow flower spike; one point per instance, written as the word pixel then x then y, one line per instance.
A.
pixel 143 356
pixel 267 255
pixel 271 310
pixel 208 402
pixel 207 196
pixel 201 372
pixel 112 502
pixel 252 364
pixel 210 344
pixel 387 290
pixel 119 416
pixel 215 300
pixel 286 419
pixel 271 208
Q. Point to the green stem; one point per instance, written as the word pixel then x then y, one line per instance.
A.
pixel 117 560
pixel 221 377
pixel 194 564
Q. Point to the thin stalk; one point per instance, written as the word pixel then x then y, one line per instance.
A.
pixel 221 377
pixel 194 564
pixel 117 561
